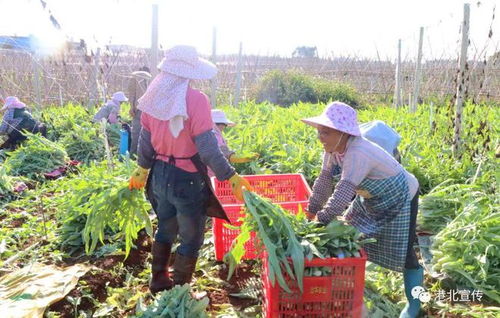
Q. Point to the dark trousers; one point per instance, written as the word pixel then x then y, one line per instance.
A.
pixel 180 204
pixel 16 136
pixel 136 130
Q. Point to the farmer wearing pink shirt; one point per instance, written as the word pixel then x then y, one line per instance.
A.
pixel 111 110
pixel 221 122
pixel 176 144
pixel 363 182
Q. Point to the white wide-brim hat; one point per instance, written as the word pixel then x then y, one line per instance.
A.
pixel 338 116
pixel 119 97
pixel 219 117
pixel 184 61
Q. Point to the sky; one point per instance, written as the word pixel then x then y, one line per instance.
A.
pixel 357 28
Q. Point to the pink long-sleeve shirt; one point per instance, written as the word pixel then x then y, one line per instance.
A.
pixel 165 144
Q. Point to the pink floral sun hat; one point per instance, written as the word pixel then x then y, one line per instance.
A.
pixel 13 102
pixel 339 116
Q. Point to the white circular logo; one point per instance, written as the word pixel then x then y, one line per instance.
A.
pixel 424 297
pixel 418 292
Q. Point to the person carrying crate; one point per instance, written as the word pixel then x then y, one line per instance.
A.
pixel 16 119
pixel 220 123
pixel 364 182
pixel 176 144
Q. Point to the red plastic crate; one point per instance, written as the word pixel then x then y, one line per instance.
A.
pixel 277 187
pixel 224 237
pixel 338 295
pixel 288 190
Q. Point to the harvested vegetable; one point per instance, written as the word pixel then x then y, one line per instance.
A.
pixel 119 208
pixel 113 133
pixel 337 239
pixel 291 239
pixel 6 183
pixel 442 204
pixel 36 156
pixel 98 206
pixel 84 144
pixel 175 303
pixel 468 249
pixel 60 120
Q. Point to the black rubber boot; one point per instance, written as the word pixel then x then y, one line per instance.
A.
pixel 159 267
pixel 184 268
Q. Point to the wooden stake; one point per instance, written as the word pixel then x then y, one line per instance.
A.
pixel 461 85
pixel 397 89
pixel 418 69
pixel 238 76
pixel 37 78
pixel 95 81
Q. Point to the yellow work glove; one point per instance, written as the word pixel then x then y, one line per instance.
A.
pixel 237 184
pixel 234 158
pixel 138 178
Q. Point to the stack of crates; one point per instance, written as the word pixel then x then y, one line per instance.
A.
pixel 337 293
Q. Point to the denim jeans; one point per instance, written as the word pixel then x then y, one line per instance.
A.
pixel 181 199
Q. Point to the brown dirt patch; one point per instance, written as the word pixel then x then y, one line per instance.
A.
pixel 239 281
pixel 96 282
pixel 108 262
pixel 17 223
pixel 137 256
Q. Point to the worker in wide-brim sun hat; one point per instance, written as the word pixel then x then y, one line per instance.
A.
pixel 363 182
pixel 111 110
pixel 17 119
pixel 176 144
pixel 220 123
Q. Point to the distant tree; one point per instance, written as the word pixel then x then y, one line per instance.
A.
pixel 305 51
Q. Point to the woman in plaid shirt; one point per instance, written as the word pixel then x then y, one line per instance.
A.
pixel 363 182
